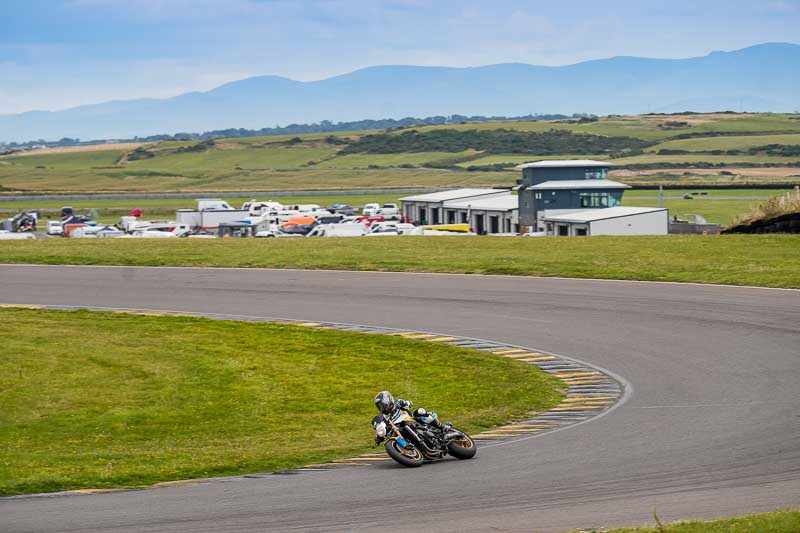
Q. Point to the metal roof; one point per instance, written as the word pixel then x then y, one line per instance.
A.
pixel 560 163
pixel 579 184
pixel 592 215
pixel 508 202
pixel 455 194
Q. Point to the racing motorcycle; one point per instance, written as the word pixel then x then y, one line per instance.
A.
pixel 410 440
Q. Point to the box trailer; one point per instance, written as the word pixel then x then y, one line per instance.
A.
pixel 210 214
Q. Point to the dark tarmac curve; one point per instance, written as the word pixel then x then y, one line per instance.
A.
pixel 712 427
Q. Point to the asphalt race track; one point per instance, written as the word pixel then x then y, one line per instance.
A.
pixel 711 427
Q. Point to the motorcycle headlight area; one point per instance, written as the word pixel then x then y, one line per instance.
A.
pixel 380 429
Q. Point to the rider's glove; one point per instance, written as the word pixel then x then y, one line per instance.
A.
pixel 403 404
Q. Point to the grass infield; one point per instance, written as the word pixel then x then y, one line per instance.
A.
pixel 761 260
pixel 99 399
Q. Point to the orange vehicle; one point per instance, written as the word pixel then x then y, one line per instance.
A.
pixel 300 225
pixel 299 221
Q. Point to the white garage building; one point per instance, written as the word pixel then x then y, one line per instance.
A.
pixel 608 221
pixel 485 210
pixel 489 215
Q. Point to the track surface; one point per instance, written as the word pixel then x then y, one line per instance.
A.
pixel 712 427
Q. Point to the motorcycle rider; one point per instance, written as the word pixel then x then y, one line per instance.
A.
pixel 387 405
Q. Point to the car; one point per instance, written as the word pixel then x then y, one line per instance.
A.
pixel 370 209
pixel 366 220
pixel 276 234
pixel 350 229
pixel 162 231
pixel 94 232
pixel 54 227
pixel 388 211
pixel 343 209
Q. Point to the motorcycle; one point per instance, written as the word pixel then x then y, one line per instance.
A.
pixel 410 440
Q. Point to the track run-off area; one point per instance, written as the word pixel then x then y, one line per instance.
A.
pixel 710 426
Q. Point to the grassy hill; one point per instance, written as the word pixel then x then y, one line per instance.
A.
pixel 720 148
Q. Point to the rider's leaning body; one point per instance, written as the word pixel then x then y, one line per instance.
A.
pixel 387 405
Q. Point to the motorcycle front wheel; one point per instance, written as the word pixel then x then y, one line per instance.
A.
pixel 408 456
pixel 462 448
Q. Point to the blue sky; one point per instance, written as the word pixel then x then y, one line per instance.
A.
pixel 61 53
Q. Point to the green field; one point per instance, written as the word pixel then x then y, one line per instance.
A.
pixel 647 126
pixel 132 400
pixel 684 177
pixel 726 143
pixel 209 181
pixel 67 161
pixel 255 158
pixel 776 522
pixel 314 161
pixel 304 136
pixel 710 192
pixel 392 160
pixel 519 159
pixel 693 159
pixel 714 211
pixel 763 260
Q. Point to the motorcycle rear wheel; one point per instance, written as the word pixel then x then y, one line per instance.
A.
pixel 462 448
pixel 409 456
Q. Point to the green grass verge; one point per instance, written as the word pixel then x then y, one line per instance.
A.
pixel 763 260
pixel 775 522
pixel 98 399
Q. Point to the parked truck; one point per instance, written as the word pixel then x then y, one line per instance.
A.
pixel 210 213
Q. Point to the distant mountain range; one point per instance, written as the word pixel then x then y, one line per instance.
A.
pixel 765 77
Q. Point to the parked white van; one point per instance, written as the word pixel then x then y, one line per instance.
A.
pixel 388 211
pixel 355 229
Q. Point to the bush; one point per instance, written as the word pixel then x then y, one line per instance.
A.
pixel 551 142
